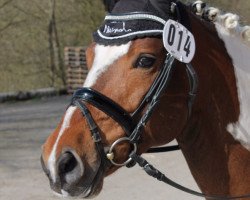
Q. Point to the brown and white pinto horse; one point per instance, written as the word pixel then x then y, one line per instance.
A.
pixel 215 138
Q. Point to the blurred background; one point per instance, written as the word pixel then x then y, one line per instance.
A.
pixel 33 35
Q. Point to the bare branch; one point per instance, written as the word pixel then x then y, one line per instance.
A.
pixel 11 23
pixel 40 8
pixel 26 12
pixel 5 3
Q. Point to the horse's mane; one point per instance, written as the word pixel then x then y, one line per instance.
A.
pixel 229 21
pixel 236 38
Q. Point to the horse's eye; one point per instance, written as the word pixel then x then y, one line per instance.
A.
pixel 145 61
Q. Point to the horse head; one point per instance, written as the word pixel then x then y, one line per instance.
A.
pixel 128 74
pixel 123 70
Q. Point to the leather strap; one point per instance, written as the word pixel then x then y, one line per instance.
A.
pixel 152 171
pixel 106 105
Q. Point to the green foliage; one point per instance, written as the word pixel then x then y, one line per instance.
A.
pixel 24 40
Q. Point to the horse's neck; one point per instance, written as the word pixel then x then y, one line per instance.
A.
pixel 214 138
pixel 240 54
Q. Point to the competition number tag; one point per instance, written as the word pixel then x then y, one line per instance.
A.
pixel 179 41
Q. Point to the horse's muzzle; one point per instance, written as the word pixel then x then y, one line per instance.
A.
pixel 69 172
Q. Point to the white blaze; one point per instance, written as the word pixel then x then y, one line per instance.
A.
pixel 52 158
pixel 240 54
pixel 104 57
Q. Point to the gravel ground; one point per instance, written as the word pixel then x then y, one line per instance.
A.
pixel 24 126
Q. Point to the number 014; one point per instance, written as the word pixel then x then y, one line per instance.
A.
pixel 179 41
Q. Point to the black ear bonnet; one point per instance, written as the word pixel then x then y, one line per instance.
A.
pixel 132 19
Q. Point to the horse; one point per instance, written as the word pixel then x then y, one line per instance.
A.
pixel 206 110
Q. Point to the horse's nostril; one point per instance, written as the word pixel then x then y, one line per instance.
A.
pixel 70 168
pixel 67 163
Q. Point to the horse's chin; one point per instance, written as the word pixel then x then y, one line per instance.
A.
pixel 84 193
pixel 93 190
pixel 81 191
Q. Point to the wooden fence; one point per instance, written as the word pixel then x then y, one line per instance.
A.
pixel 75 62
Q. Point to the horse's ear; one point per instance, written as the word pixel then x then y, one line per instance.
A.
pixel 109 4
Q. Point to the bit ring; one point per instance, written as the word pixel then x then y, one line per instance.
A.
pixel 111 156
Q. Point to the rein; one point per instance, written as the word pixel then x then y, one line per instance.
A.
pixel 152 171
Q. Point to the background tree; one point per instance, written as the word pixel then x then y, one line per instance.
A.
pixel 34 33
pixel 28 32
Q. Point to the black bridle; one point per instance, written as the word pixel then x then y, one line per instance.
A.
pixel 133 131
pixel 132 126
pixel 129 121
